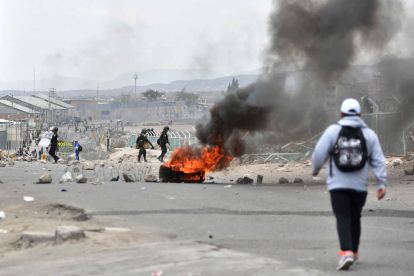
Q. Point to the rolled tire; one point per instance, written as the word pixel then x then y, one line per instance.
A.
pixel 166 174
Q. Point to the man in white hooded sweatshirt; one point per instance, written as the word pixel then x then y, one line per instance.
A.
pixel 350 146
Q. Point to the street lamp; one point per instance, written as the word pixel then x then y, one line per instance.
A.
pixel 135 78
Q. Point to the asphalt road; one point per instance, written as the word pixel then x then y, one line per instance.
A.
pixel 281 222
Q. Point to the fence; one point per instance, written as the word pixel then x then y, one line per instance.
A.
pixel 12 135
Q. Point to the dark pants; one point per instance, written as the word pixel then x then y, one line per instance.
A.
pixel 143 152
pixel 163 151
pixel 52 153
pixel 347 205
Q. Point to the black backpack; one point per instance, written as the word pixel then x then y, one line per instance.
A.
pixel 159 141
pixel 80 148
pixel 350 152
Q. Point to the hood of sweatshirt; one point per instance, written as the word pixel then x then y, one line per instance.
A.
pixel 352 121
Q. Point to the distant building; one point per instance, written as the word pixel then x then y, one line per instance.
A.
pixel 50 112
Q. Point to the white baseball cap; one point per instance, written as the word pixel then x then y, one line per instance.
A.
pixel 350 107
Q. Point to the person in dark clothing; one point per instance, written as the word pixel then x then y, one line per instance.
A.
pixel 54 143
pixel 142 142
pixel 163 143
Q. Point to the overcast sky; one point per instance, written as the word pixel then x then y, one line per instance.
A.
pixel 100 39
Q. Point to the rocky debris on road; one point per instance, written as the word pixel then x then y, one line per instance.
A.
pixel 28 159
pixel 409 171
pixel 42 161
pixel 128 177
pixel 44 179
pixel 150 178
pixel 244 180
pixel 259 179
pixel 97 182
pixel 11 162
pixel 2 215
pixel 76 169
pixel 64 233
pixel 63 161
pixel 3 154
pixel 283 180
pixel 81 179
pixel 88 166
pixel 30 237
pixel 2 164
pixel 316 178
pixel 298 180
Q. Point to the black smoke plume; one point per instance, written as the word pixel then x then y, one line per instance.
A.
pixel 319 37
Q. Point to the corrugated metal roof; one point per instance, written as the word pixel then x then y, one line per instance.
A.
pixel 18 107
pixel 37 102
pixel 55 101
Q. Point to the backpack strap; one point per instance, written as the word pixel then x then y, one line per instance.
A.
pixel 331 153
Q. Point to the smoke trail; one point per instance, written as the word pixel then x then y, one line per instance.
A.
pixel 317 36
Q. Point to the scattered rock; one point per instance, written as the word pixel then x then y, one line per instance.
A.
pixel 283 180
pixel 97 182
pixel 2 164
pixel 259 179
pixel 316 178
pixel 150 178
pixel 3 154
pixel 409 171
pixel 11 162
pixel 64 233
pixel 281 165
pixel 81 179
pixel 76 169
pixel 43 161
pixel 28 159
pixel 62 161
pixel 244 180
pixel 396 162
pixel 29 237
pixel 88 166
pixel 46 178
pixel 128 177
pixel 70 163
pixel 298 180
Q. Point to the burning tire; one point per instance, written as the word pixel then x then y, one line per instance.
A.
pixel 167 174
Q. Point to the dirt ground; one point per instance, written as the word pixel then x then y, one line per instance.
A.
pixel 42 216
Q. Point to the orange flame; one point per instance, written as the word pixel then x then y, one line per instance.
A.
pixel 186 160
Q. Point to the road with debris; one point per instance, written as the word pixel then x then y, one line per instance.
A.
pixel 291 223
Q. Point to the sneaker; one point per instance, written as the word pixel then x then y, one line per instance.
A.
pixel 346 259
pixel 355 257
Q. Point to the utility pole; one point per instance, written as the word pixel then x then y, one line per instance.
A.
pixel 34 81
pixel 135 78
pixel 97 93
pixel 52 93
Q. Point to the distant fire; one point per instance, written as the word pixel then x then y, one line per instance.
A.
pixel 196 163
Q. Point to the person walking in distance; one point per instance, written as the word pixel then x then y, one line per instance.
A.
pixel 54 143
pixel 77 149
pixel 142 142
pixel 162 141
pixel 350 147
